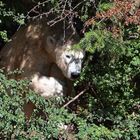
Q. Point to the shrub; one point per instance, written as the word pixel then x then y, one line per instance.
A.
pixel 47 126
pixel 113 65
pixel 109 109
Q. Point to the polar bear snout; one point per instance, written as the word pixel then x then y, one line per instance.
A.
pixel 75 75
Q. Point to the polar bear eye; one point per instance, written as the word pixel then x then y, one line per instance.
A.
pixel 68 56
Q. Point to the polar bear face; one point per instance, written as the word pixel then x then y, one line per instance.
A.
pixel 72 63
pixel 68 59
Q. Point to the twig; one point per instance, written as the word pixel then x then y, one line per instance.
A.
pixel 61 9
pixel 76 97
pixel 92 89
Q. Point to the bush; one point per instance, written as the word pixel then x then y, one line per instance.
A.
pixel 47 126
pixel 113 99
pixel 110 107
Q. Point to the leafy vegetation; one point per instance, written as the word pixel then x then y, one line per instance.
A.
pixel 110 107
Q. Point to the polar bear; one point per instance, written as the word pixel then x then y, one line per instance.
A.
pixel 45 56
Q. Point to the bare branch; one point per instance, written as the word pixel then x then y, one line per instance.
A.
pixel 63 10
pixel 76 97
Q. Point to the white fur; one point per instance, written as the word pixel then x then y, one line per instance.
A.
pixel 73 60
pixel 47 86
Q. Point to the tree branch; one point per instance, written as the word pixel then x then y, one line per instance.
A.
pixel 76 97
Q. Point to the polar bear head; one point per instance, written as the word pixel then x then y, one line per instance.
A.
pixel 67 58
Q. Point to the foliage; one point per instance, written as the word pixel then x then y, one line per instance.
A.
pixel 110 108
pixel 47 126
pixel 114 90
pixel 9 21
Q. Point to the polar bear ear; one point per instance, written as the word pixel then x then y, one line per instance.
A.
pixel 51 43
